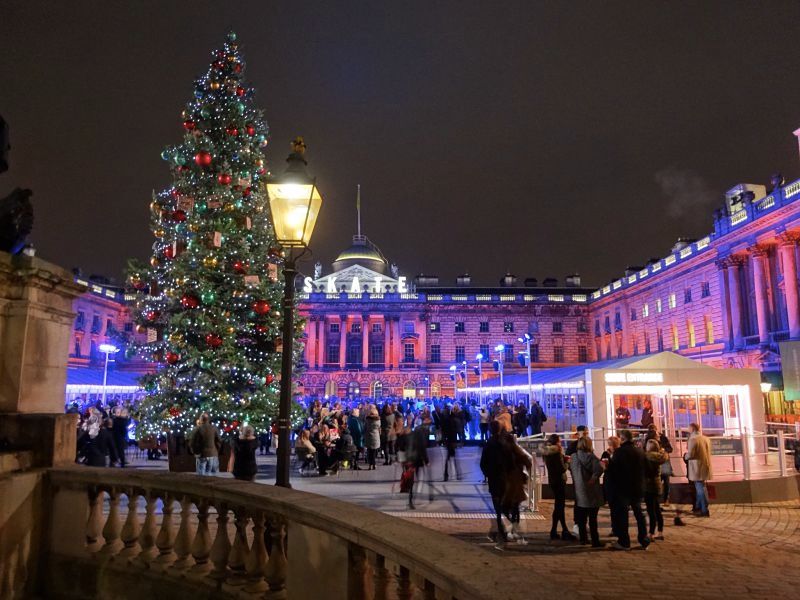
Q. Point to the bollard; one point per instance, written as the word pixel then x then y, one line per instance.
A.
pixel 746 455
pixel 782 466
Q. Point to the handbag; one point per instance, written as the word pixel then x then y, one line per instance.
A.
pixel 407 479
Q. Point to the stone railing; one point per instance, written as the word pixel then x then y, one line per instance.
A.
pixel 124 534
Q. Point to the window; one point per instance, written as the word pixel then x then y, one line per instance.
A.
pixel 705 289
pixel 607 324
pixel 633 314
pixel 408 327
pixel 128 327
pixel 334 328
pixel 408 353
pixel 557 327
pixel 333 354
pixel 690 331
pixel 508 352
pixel 582 327
pixel 617 321
pixel 647 343
pixel 376 354
pixel 534 353
pixel 660 340
pixel 436 353
pixel 673 302
pixel 484 327
pixel 80 320
pixel 645 311
pixel 78 348
pixel 435 327
pixel 687 295
pixel 93 350
pixel 96 324
pixel 355 328
pixel 508 327
pixel 460 354
pixel 354 356
pixel 597 327
pixel 709 327
pixel 658 305
pixel 583 355
pixel 377 328
pixel 635 347
pixel 675 341
pixel 377 390
pixel 460 328
pixel 484 350
pixel 558 354
pixel 109 325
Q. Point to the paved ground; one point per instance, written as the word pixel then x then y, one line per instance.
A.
pixel 742 551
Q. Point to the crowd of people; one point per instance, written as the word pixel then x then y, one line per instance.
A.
pixel 102 433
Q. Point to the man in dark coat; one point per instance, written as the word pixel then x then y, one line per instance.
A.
pixel 205 444
pixel 625 474
pixel 120 420
pixel 450 428
pixel 494 459
pixel 537 418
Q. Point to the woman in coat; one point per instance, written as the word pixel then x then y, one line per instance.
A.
pixel 244 455
pixel 654 458
pixel 518 466
pixel 388 436
pixel 372 436
pixel 586 470
pixel 356 427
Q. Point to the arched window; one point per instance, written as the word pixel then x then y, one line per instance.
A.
pixel 436 389
pixel 409 389
pixel 331 389
pixel 377 389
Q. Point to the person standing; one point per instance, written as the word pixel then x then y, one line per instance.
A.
pixel 520 420
pixel 450 424
pixel 356 427
pixel 95 444
pixel 655 457
pixel 244 455
pixel 388 436
pixel 205 444
pixel 416 466
pixel 625 475
pixel 373 436
pixel 494 458
pixel 699 469
pixel 517 471
pixel 263 442
pixel 622 416
pixel 557 468
pixel 121 418
pixel 536 418
pixel 586 471
pixel 484 424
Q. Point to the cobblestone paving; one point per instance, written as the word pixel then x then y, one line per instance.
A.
pixel 742 551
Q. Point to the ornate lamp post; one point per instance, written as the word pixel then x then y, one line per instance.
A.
pixel 108 350
pixel 294 202
pixel 527 341
pixel 479 358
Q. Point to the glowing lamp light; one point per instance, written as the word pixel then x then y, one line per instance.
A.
pixel 479 356
pixel 108 348
pixel 294 200
pixel 766 387
pixel 499 348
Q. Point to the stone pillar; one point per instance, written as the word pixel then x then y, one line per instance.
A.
pixel 365 341
pixel 787 252
pixel 387 342
pixel 759 255
pixel 311 340
pixel 722 272
pixel 734 289
pixel 322 343
pixel 36 320
pixel 344 323
pixel 396 350
pixel 423 342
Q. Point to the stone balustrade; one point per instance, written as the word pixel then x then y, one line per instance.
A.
pixel 124 533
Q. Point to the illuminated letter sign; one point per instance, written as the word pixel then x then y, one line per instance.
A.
pixel 331 287
pixel 402 288
pixel 634 378
pixel 308 285
pixel 355 288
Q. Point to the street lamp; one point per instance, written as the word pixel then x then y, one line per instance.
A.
pixel 479 358
pixel 428 385
pixel 294 202
pixel 501 350
pixel 454 377
pixel 108 350
pixel 527 341
pixel 466 379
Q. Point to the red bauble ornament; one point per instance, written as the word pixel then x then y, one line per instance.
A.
pixel 261 307
pixel 203 158
pixel 151 315
pixel 239 266
pixel 237 68
pixel 179 216
pixel 270 378
pixel 169 252
pixel 213 340
pixel 217 65
pixel 261 171
pixel 261 328
pixel 173 357
pixel 188 124
pixel 232 130
pixel 240 91
pixel 189 301
pixel 250 129
pixel 174 192
pixel 175 412
pixel 247 191
pixel 224 178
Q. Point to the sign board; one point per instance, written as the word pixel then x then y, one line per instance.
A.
pixel 790 365
pixel 534 447
pixel 726 446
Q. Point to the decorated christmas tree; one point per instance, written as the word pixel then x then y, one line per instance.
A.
pixel 209 300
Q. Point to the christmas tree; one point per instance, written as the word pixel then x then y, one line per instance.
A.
pixel 209 301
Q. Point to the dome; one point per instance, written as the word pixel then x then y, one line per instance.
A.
pixel 361 252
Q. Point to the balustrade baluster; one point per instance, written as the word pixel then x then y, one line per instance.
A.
pixel 113 527
pixel 239 552
pixel 380 576
pixel 277 566
pixel 405 589
pixel 201 546
pixel 358 568
pixel 257 559
pixel 94 524
pixel 221 548
pixel 183 541
pixel 166 536
pixel 132 528
pixel 147 537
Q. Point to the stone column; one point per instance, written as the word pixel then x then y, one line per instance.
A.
pixel 423 341
pixel 344 323
pixel 365 341
pixel 722 272
pixel 759 255
pixel 787 251
pixel 396 341
pixel 36 320
pixel 311 340
pixel 735 297
pixel 322 341
pixel 387 344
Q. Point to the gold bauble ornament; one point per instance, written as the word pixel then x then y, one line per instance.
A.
pixel 155 208
pixel 176 339
pixel 141 329
pixel 171 292
pixel 210 262
pixel 214 85
pixel 159 233
pixel 231 329
pixel 229 207
pixel 154 262
pixel 231 57
pixel 192 227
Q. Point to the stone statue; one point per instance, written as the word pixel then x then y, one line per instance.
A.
pixel 317 270
pixel 16 209
pixel 395 271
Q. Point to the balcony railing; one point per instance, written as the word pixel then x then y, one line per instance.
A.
pixel 119 533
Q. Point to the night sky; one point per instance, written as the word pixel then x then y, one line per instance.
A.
pixel 544 138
